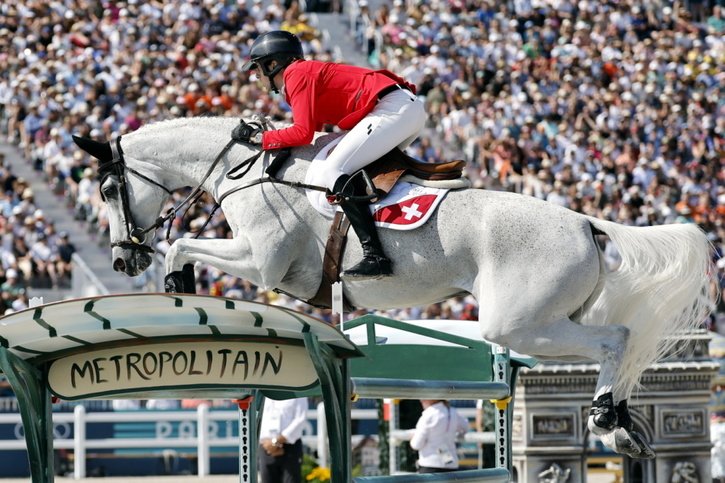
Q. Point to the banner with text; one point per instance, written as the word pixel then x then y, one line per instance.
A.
pixel 178 365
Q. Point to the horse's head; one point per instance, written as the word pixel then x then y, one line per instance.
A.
pixel 133 200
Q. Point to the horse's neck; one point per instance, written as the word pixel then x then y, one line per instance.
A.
pixel 178 152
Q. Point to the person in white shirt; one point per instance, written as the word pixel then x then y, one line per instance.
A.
pixel 279 458
pixel 435 436
pixel 126 404
pixel 163 404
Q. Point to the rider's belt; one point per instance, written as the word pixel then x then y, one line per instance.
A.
pixel 391 88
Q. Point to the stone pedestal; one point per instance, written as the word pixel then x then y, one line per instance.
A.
pixel 550 438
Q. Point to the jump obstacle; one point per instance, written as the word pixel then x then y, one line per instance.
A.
pixel 177 346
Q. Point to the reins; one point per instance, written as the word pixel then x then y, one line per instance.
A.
pixel 271 171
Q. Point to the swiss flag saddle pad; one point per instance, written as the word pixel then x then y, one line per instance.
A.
pixel 407 206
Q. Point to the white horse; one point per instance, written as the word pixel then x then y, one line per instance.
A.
pixel 534 267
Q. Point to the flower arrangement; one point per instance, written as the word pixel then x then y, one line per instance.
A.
pixel 319 474
pixel 315 473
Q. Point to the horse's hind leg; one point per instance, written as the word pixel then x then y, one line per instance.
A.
pixel 563 338
pixel 606 345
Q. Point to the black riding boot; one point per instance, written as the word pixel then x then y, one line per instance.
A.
pixel 374 263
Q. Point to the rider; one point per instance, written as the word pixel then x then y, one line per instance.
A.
pixel 380 110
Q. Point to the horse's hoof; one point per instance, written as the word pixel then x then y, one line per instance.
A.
pixel 630 443
pixel 173 283
pixel 181 281
pixel 602 415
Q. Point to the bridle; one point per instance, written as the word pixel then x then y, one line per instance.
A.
pixel 136 236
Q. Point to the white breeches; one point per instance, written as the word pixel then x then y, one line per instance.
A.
pixel 396 121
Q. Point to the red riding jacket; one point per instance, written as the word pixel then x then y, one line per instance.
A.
pixel 327 93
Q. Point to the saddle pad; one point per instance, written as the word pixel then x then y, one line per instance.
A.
pixel 406 207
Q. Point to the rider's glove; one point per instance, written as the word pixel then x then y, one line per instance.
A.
pixel 256 138
pixel 247 133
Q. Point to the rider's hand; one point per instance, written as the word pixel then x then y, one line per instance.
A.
pixel 256 138
pixel 247 133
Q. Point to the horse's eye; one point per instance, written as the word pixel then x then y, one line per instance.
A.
pixel 108 192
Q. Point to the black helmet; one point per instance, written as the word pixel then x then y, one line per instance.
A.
pixel 279 45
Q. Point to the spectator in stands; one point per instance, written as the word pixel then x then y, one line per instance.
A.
pixel 280 440
pixel 44 260
pixel 66 249
pixel 379 108
pixel 435 436
pixel 11 290
pixel 86 189
pixel 13 285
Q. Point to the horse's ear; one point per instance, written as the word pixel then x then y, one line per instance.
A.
pixel 102 151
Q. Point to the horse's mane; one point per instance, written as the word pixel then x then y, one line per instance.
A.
pixel 221 125
pixel 187 122
pixel 218 130
pixel 212 121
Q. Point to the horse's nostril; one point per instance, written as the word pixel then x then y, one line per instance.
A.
pixel 119 265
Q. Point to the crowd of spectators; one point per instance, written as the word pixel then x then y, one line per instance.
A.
pixel 609 108
pixel 102 69
pixel 32 252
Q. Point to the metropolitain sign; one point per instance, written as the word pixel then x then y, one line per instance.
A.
pixel 179 365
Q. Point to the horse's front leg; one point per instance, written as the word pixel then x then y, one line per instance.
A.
pixel 233 256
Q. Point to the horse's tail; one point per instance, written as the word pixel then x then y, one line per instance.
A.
pixel 664 286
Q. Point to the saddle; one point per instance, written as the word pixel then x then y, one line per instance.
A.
pixel 384 172
pixel 387 170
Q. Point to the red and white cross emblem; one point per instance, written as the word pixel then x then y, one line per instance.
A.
pixel 411 211
pixel 405 212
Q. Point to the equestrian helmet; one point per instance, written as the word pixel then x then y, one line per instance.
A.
pixel 279 45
